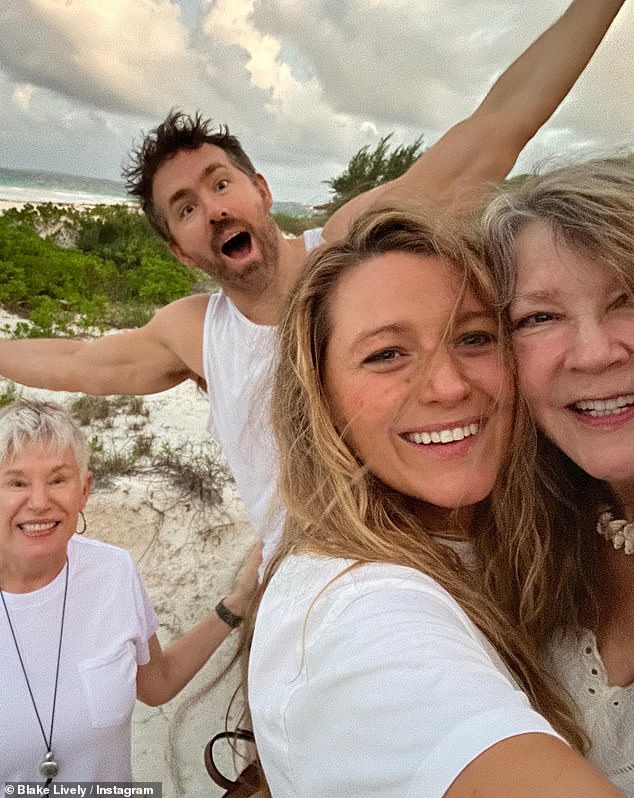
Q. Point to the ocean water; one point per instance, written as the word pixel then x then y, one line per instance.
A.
pixel 22 185
pixel 25 185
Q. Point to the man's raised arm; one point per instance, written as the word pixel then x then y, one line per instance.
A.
pixel 482 149
pixel 146 360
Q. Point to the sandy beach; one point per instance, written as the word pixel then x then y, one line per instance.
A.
pixel 6 204
pixel 188 556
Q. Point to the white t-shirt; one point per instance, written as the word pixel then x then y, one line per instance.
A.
pixel 238 359
pixel 374 685
pixel 607 710
pixel 109 620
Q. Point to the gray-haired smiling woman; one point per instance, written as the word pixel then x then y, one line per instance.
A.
pixel 560 247
pixel 77 629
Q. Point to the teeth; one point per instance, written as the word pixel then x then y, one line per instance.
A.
pixel 605 407
pixel 37 527
pixel 444 435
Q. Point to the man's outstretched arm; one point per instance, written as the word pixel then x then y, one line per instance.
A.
pixel 482 149
pixel 152 358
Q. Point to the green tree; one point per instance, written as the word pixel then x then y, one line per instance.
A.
pixel 371 167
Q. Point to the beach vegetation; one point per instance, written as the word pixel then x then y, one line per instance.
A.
pixel 69 270
pixel 8 394
pixel 63 269
pixel 136 406
pixel 295 225
pixel 143 445
pixel 107 464
pixel 197 471
pixel 90 409
pixel 369 168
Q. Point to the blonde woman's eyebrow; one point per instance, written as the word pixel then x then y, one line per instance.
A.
pixel 373 332
pixel 466 317
pixel 401 328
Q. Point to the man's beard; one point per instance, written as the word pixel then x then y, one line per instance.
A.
pixel 254 276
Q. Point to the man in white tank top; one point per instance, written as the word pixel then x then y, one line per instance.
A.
pixel 202 194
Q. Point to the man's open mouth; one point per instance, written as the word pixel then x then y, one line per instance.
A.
pixel 238 246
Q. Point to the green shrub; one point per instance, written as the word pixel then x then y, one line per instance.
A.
pixel 159 282
pixel 8 394
pixel 60 267
pixel 88 409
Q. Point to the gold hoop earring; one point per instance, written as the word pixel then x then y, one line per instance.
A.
pixel 85 526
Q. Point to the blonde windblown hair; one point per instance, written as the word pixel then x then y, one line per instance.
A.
pixel 589 208
pixel 336 507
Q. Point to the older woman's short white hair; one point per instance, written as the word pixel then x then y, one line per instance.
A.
pixel 47 424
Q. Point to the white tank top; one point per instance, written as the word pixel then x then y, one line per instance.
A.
pixel 238 358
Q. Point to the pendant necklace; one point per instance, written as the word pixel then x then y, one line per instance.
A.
pixel 48 766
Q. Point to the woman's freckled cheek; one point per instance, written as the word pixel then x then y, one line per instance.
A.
pixel 357 403
pixel 372 401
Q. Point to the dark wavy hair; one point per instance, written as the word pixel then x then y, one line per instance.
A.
pixel 179 131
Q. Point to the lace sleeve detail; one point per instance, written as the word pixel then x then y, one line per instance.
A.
pixel 607 711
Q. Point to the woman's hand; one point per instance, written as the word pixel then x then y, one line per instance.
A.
pixel 169 670
pixel 245 582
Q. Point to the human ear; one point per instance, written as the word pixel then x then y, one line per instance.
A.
pixel 178 253
pixel 86 488
pixel 265 192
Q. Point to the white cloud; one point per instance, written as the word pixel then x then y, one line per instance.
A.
pixel 124 56
pixel 22 95
pixel 304 83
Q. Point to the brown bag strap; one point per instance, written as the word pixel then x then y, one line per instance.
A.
pixel 247 782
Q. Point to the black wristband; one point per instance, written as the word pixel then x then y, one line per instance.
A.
pixel 225 614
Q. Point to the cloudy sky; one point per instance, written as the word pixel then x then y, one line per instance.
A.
pixel 303 83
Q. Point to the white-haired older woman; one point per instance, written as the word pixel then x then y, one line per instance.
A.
pixel 77 629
